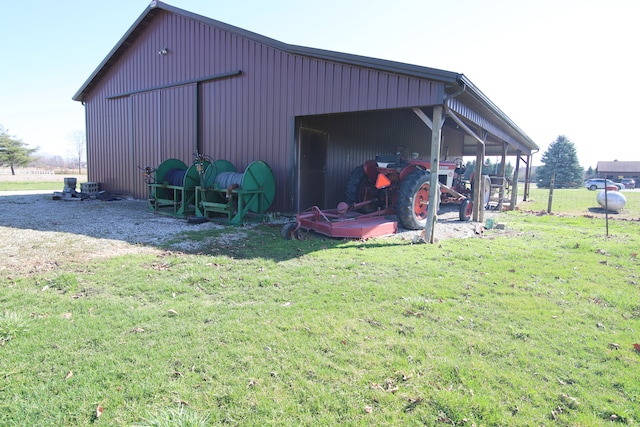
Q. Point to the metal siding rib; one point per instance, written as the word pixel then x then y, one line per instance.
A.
pixel 313 87
pixel 374 77
pixel 338 100
pixel 328 81
pixel 325 84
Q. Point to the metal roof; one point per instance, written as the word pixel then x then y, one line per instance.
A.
pixel 456 83
pixel 616 166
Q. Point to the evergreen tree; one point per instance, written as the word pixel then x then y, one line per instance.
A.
pixel 14 152
pixel 561 159
pixel 591 173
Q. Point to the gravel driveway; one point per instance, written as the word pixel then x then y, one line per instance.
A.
pixel 38 233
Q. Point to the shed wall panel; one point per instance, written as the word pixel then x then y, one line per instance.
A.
pixel 145 134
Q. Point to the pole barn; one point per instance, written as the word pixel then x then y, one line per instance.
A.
pixel 178 83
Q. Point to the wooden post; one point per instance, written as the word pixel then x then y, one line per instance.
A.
pixel 514 183
pixel 551 184
pixel 503 178
pixel 434 190
pixel 606 205
pixel 478 200
pixel 527 177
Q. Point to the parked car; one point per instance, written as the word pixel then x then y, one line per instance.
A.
pixel 598 183
pixel 628 183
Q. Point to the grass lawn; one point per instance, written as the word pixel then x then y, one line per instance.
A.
pixel 576 201
pixel 531 325
pixel 37 182
pixel 40 185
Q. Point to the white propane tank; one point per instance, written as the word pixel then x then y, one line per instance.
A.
pixel 615 200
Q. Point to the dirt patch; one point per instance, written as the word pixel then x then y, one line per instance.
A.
pixel 449 226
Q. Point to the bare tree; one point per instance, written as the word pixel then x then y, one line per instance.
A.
pixel 78 141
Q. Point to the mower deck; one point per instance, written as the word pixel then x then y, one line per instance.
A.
pixel 350 224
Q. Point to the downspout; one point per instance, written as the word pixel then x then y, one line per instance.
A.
pixel 455 94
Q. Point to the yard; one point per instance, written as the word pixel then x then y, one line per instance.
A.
pixel 533 324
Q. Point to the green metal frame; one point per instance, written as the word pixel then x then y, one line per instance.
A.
pixel 255 194
pixel 175 200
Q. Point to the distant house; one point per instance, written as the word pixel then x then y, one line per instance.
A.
pixel 616 170
pixel 178 83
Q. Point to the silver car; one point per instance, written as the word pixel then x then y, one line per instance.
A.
pixel 598 183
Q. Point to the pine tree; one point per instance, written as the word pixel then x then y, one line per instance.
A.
pixel 561 159
pixel 14 152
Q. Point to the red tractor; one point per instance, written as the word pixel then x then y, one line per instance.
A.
pixel 401 186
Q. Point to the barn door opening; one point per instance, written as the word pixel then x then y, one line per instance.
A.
pixel 312 168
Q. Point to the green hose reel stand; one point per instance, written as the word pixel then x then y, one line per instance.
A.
pixel 173 190
pixel 225 191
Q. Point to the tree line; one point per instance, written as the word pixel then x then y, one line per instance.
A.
pixel 16 153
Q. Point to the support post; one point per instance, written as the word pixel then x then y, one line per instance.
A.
pixel 503 178
pixel 514 183
pixel 434 189
pixel 478 190
pixel 527 178
pixel 551 185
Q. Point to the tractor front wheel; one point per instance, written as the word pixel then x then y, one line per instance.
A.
pixel 413 200
pixel 466 209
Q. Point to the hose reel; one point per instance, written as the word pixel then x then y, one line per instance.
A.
pixel 225 190
pixel 229 180
pixel 175 176
pixel 173 189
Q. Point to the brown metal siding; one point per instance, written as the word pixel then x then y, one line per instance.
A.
pixel 145 133
pixel 241 119
pixel 107 137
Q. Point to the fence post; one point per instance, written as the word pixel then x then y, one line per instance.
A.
pixel 551 183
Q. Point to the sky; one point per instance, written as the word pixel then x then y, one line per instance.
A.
pixel 555 67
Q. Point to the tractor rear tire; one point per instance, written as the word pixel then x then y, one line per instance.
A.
pixel 359 189
pixel 413 200
pixel 356 185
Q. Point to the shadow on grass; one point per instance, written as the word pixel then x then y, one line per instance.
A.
pixel 602 211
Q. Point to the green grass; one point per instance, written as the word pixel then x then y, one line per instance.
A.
pixel 533 325
pixel 11 325
pixel 575 201
pixel 36 185
pixel 54 183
